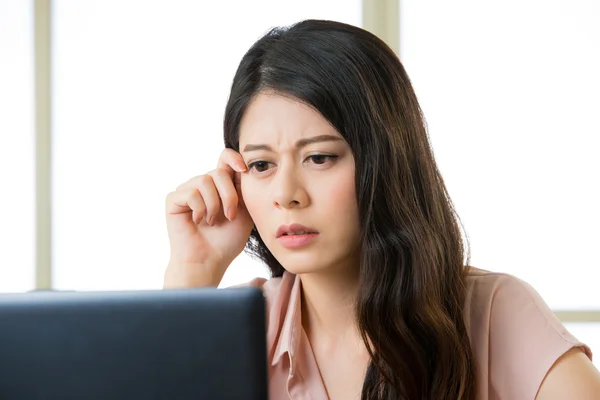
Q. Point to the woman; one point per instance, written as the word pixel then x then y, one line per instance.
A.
pixel 329 179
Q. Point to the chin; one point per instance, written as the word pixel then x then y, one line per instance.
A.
pixel 315 258
pixel 301 269
pixel 301 262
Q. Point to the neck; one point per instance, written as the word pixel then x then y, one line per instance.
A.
pixel 328 304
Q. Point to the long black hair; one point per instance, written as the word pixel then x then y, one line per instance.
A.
pixel 413 267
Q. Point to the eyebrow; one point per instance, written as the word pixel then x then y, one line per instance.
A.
pixel 299 144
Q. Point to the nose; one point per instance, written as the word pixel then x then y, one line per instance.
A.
pixel 288 189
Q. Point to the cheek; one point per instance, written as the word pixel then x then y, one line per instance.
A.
pixel 340 199
pixel 345 199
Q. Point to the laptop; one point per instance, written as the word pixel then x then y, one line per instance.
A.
pixel 178 344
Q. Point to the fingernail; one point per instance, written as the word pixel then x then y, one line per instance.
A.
pixel 209 220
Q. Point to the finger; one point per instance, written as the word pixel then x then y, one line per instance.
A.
pixel 184 201
pixel 237 183
pixel 229 160
pixel 198 182
pixel 189 183
pixel 232 161
pixel 238 188
pixel 198 206
pixel 195 182
pixel 227 192
pixel 211 198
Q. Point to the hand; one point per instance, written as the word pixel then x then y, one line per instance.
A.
pixel 208 224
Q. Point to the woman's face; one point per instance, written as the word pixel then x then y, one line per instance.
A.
pixel 300 171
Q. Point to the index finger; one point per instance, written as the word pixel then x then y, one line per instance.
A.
pixel 237 180
pixel 232 161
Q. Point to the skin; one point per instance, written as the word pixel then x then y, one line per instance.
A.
pixel 287 184
pixel 573 376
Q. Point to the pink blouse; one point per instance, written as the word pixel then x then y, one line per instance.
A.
pixel 515 338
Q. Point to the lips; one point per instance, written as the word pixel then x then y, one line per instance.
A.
pixel 294 229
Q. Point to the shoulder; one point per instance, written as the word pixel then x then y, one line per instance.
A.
pixel 502 298
pixel 509 305
pixel 505 297
pixel 516 338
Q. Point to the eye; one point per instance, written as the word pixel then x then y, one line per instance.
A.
pixel 259 166
pixel 320 159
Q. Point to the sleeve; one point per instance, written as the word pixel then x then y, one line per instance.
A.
pixel 526 339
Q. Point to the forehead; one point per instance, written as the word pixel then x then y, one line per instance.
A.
pixel 277 119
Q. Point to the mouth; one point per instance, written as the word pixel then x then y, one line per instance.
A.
pixel 295 230
pixel 297 240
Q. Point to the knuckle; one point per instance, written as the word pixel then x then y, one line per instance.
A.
pixel 170 197
pixel 186 184
pixel 192 193
pixel 196 202
pixel 199 208
pixel 224 155
pixel 229 156
pixel 205 181
pixel 212 210
pixel 229 151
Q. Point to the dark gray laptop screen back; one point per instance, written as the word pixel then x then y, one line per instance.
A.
pixel 172 344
